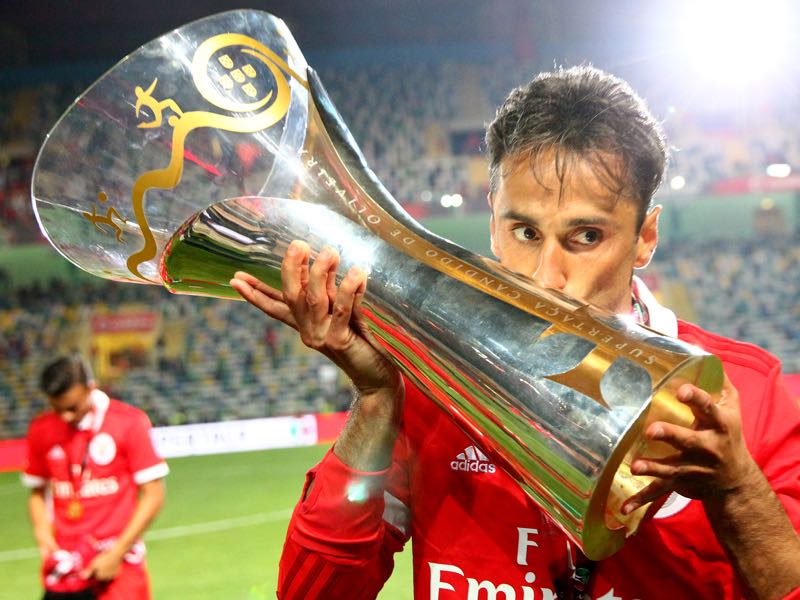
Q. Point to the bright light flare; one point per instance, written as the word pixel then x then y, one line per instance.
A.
pixel 452 200
pixel 779 170
pixel 738 41
pixel 677 183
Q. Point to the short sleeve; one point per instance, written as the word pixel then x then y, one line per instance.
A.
pixel 35 474
pixel 773 436
pixel 143 460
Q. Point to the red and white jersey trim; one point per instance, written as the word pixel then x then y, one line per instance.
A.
pixel 32 481
pixel 662 319
pixel 396 514
pixel 94 418
pixel 151 473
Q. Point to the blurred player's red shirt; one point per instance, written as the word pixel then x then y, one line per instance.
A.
pixel 107 456
pixel 476 535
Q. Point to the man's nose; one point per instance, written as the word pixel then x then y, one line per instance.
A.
pixel 550 271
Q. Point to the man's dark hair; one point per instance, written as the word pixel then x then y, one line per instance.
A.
pixel 581 113
pixel 64 372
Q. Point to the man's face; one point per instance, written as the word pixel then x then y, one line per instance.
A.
pixel 583 242
pixel 73 404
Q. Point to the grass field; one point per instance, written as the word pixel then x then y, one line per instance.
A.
pixel 219 536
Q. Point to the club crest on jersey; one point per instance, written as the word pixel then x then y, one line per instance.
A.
pixel 472 460
pixel 102 449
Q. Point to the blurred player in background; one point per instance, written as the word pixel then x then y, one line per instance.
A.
pixel 96 484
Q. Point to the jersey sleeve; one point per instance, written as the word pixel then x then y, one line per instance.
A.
pixel 793 595
pixel 345 531
pixel 35 474
pixel 143 460
pixel 773 437
pixel 776 443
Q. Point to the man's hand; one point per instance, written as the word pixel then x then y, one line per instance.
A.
pixel 712 458
pixel 714 465
pixel 46 543
pixel 104 566
pixel 327 318
pixel 42 527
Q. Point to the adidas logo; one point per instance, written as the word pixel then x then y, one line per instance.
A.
pixel 472 459
pixel 56 453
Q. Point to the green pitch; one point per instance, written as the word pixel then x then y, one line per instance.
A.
pixel 219 535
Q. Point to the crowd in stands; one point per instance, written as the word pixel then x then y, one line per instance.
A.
pixel 412 121
pixel 26 115
pixel 744 289
pixel 409 133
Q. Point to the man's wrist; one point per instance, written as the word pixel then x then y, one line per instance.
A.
pixel 43 536
pixel 118 551
pixel 369 435
pixel 748 487
pixel 380 403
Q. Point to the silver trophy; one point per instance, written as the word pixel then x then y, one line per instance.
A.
pixel 210 149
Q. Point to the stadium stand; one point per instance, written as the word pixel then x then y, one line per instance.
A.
pixel 746 290
pixel 215 360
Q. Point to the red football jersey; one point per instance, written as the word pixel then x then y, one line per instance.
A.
pixel 98 464
pixel 676 554
pixel 475 533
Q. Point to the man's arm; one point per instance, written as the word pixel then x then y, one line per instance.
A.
pixel 715 466
pixel 753 528
pixel 42 528
pixel 338 545
pixel 105 565
pixel 367 439
pixel 341 542
pixel 328 320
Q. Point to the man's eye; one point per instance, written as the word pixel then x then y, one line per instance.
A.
pixel 524 234
pixel 590 236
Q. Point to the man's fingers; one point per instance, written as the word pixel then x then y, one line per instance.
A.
pixel 48 548
pixel 294 271
pixel 674 466
pixel 88 572
pixel 331 284
pixel 697 442
pixel 353 283
pixel 259 285
pixel 702 404
pixel 651 492
pixel 276 309
pixel 317 291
